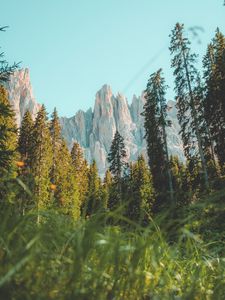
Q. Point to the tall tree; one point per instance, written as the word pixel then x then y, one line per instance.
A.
pixel 8 144
pixel 66 190
pixel 25 142
pixel 94 200
pixel 42 160
pixel 8 133
pixel 155 122
pixel 214 104
pixel 185 82
pixel 117 159
pixel 142 193
pixel 80 170
pixel 107 188
pixel 55 131
pixel 181 180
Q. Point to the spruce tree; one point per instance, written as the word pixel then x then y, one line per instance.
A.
pixel 181 181
pixel 155 122
pixel 25 142
pixel 142 193
pixel 185 83
pixel 214 75
pixel 80 170
pixel 107 188
pixel 66 191
pixel 93 201
pixel 8 145
pixel 42 160
pixel 8 133
pixel 55 131
pixel 117 159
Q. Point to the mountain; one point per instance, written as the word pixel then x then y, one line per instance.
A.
pixel 94 130
pixel 21 94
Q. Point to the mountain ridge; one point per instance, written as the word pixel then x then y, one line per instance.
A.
pixel 94 129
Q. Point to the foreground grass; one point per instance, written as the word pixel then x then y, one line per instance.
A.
pixel 89 260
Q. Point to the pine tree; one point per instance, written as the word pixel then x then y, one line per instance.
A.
pixel 66 191
pixel 142 194
pixel 107 188
pixel 8 133
pixel 94 201
pixel 214 104
pixel 25 142
pixel 8 130
pixel 55 131
pixel 181 181
pixel 117 159
pixel 80 170
pixel 117 156
pixel 42 160
pixel 155 122
pixel 185 84
pixel 8 154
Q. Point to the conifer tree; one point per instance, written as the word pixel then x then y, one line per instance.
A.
pixel 42 160
pixel 181 180
pixel 80 170
pixel 55 131
pixel 117 159
pixel 155 122
pixel 25 142
pixel 107 188
pixel 142 194
pixel 93 201
pixel 8 133
pixel 214 75
pixel 185 83
pixel 66 191
pixel 8 145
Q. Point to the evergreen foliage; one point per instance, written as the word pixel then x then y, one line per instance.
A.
pixel 107 188
pixel 155 122
pixel 25 142
pixel 80 170
pixel 94 201
pixel 66 191
pixel 142 194
pixel 186 79
pixel 117 159
pixel 55 131
pixel 8 133
pixel 42 160
pixel 214 75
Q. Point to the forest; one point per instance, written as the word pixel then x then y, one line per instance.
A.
pixel 150 229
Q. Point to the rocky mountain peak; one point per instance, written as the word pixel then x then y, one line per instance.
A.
pixel 21 94
pixel 94 130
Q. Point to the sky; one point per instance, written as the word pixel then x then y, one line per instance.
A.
pixel 73 47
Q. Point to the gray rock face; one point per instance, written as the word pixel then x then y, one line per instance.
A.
pixel 21 94
pixel 95 130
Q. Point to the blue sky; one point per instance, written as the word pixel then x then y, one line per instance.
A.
pixel 73 47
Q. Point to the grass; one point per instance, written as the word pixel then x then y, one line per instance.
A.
pixel 89 260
